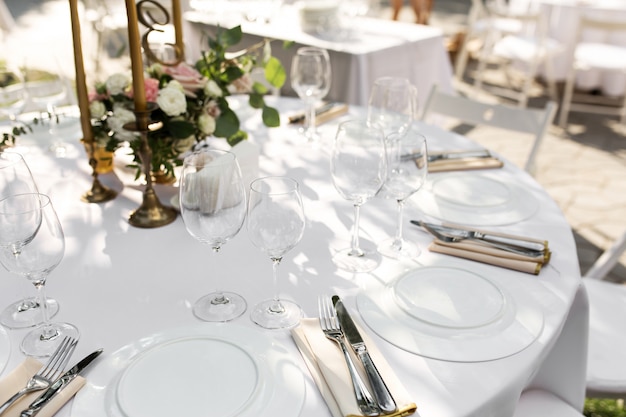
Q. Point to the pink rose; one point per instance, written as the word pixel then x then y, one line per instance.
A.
pixel 187 76
pixel 151 86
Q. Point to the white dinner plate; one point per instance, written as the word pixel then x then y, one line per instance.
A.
pixel 478 199
pixel 5 348
pixel 207 369
pixel 450 313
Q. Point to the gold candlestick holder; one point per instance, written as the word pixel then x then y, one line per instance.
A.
pixel 98 192
pixel 151 213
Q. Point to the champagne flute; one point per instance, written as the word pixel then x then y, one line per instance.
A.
pixel 275 225
pixel 16 178
pixel 405 176
pixel 310 79
pixel 213 208
pixel 32 244
pixel 392 104
pixel 358 166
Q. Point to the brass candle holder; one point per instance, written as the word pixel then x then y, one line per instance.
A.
pixel 151 213
pixel 98 192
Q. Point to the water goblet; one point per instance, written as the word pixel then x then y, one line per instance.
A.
pixel 16 178
pixel 392 104
pixel 32 245
pixel 405 176
pixel 358 166
pixel 310 79
pixel 213 208
pixel 275 225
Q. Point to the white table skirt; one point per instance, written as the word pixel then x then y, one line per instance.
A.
pixel 118 283
pixel 378 48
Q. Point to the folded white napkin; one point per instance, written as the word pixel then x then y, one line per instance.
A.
pixel 326 363
pixel 17 379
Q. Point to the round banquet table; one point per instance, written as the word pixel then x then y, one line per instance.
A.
pixel 120 284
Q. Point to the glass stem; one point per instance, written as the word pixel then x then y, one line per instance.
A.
pixel 356 250
pixel 309 122
pixel 276 307
pixel 47 332
pixel 219 298
pixel 398 239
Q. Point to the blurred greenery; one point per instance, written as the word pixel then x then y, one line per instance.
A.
pixel 600 407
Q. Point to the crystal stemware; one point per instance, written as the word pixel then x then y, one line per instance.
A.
pixel 358 166
pixel 16 178
pixel 392 104
pixel 213 208
pixel 275 225
pixel 32 245
pixel 310 79
pixel 405 176
pixel 13 95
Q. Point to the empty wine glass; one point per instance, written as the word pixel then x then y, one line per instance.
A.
pixel 213 208
pixel 275 225
pixel 16 178
pixel 32 245
pixel 13 95
pixel 310 79
pixel 358 166
pixel 392 104
pixel 407 167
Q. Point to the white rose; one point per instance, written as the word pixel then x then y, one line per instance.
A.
pixel 97 109
pixel 206 124
pixel 117 83
pixel 176 84
pixel 121 116
pixel 172 101
pixel 211 89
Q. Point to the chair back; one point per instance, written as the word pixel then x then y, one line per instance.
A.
pixel 534 122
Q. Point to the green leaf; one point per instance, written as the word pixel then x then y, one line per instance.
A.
pixel 259 88
pixel 237 137
pixel 230 37
pixel 288 44
pixel 256 101
pixel 275 73
pixel 227 124
pixel 181 129
pixel 271 118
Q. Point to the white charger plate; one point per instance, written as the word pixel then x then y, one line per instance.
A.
pixel 208 369
pixel 459 315
pixel 478 199
pixel 5 348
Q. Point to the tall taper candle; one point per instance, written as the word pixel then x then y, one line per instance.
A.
pixel 81 86
pixel 178 27
pixel 134 44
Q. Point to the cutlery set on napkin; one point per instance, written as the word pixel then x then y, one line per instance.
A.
pixel 29 389
pixel 505 250
pixel 459 160
pixel 323 114
pixel 370 388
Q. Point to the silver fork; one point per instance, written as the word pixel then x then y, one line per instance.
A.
pixel 48 373
pixel 330 326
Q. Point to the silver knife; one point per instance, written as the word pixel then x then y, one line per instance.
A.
pixel 59 384
pixel 381 392
pixel 477 153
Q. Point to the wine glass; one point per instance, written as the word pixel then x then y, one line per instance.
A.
pixel 16 178
pixel 13 95
pixel 310 79
pixel 32 244
pixel 392 104
pixel 407 167
pixel 213 208
pixel 275 225
pixel 358 166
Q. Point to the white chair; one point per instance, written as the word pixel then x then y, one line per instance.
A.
pixel 519 53
pixel 533 122
pixel 595 55
pixel 540 403
pixel 479 22
pixel 606 364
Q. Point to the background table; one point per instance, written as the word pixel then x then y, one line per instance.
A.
pixel 377 48
pixel 118 283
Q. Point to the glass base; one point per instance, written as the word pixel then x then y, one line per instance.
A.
pixel 398 250
pixel 37 345
pixel 219 307
pixel 269 315
pixel 26 313
pixel 364 262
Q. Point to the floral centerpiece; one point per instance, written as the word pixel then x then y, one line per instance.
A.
pixel 191 100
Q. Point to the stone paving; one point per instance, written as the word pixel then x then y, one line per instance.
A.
pixel 583 168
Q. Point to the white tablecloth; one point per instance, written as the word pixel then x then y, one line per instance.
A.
pixel 564 17
pixel 118 283
pixel 377 48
